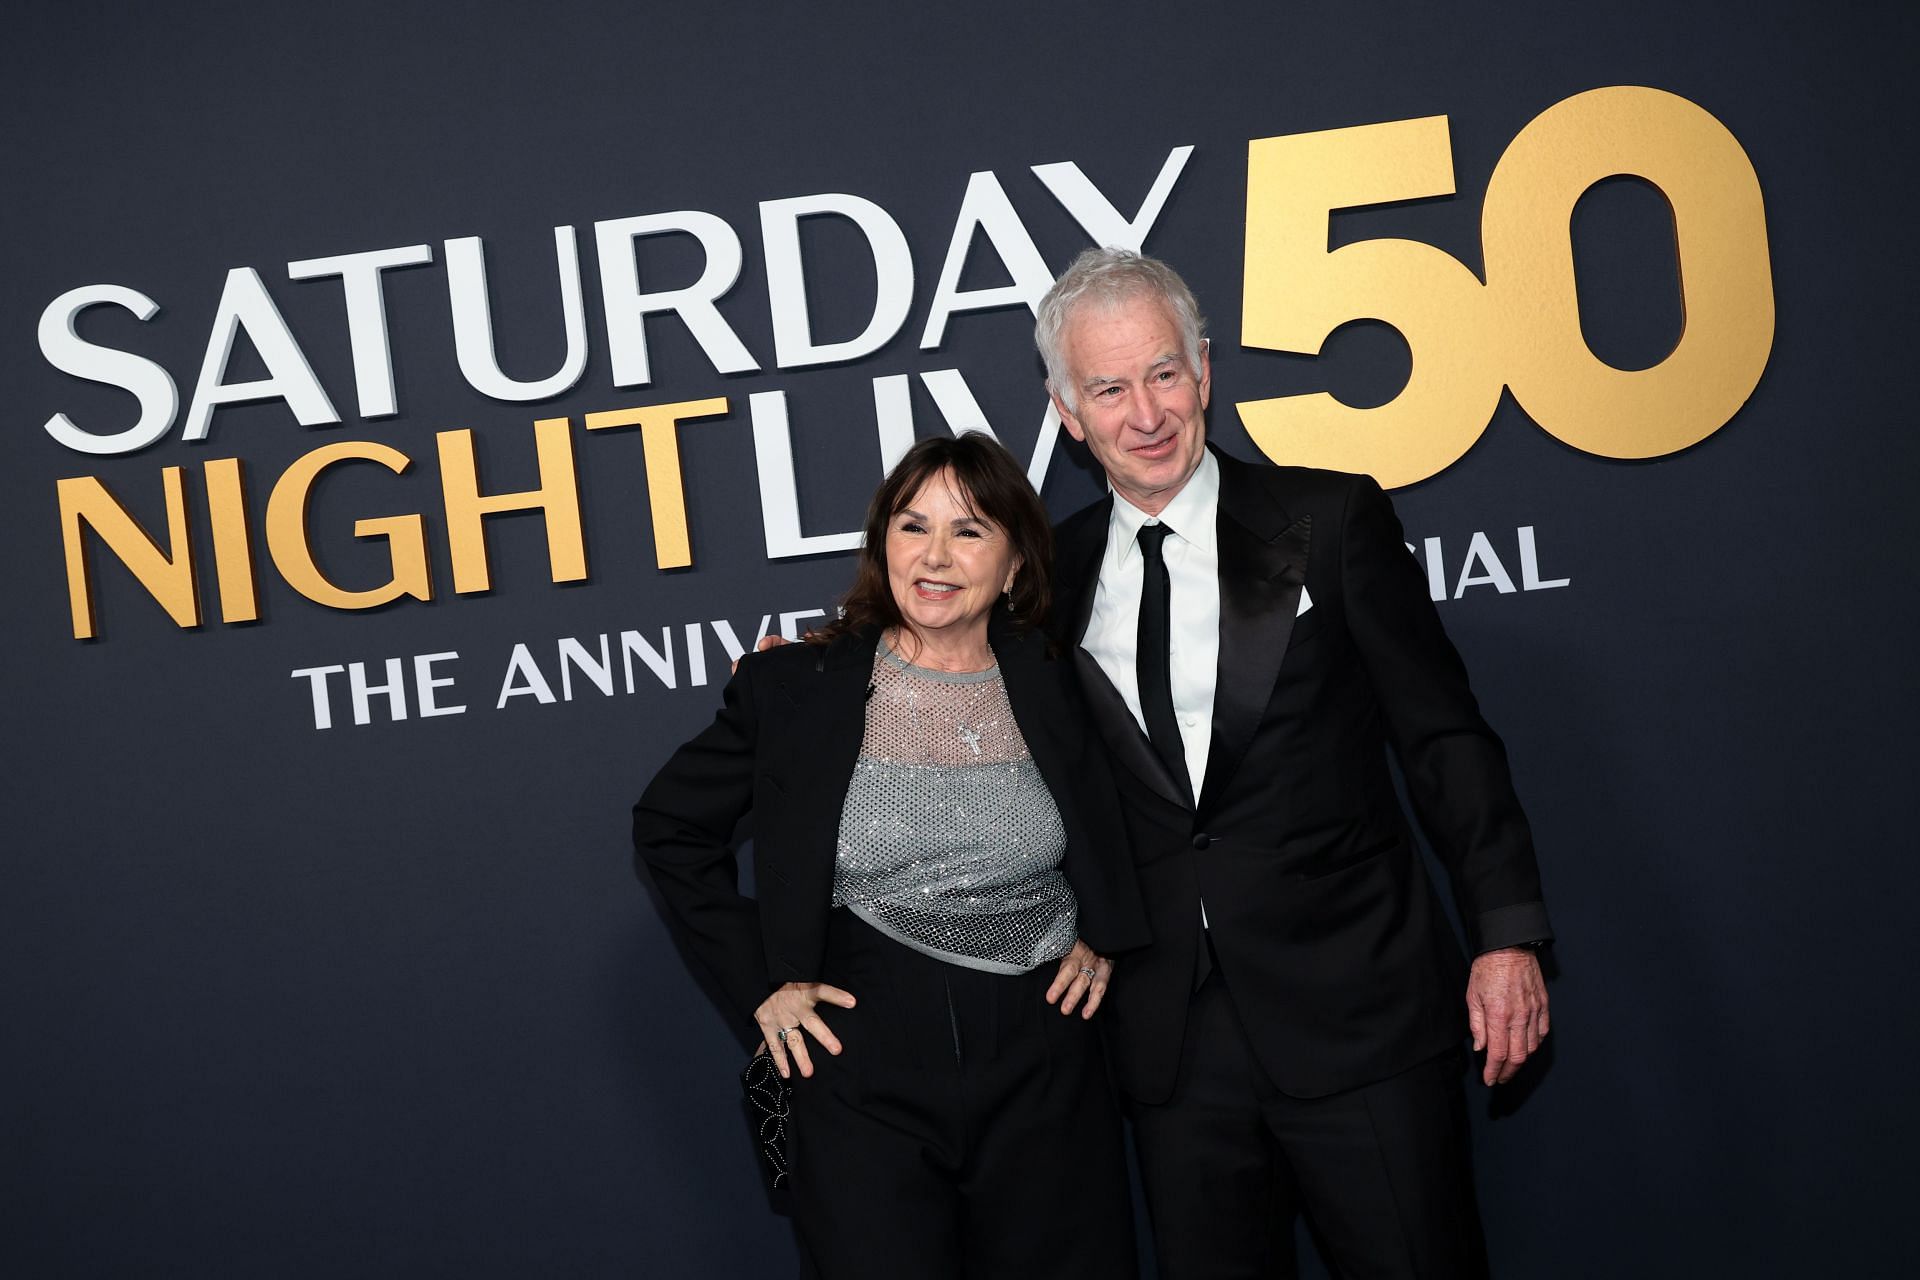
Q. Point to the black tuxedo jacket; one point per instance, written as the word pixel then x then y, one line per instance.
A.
pixel 1323 921
pixel 784 747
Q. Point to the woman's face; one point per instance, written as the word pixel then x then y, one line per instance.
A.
pixel 946 564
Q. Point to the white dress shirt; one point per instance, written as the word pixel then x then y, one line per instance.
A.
pixel 1192 554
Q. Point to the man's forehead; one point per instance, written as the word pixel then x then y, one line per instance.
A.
pixel 1147 308
pixel 1136 330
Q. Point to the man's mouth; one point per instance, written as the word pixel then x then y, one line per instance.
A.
pixel 1157 449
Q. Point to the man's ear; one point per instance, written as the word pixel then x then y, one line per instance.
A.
pixel 1067 419
pixel 1206 371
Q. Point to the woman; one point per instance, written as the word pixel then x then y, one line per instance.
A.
pixel 940 877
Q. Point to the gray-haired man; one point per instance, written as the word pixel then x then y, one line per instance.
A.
pixel 1252 641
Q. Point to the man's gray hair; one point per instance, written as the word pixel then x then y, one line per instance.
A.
pixel 1105 277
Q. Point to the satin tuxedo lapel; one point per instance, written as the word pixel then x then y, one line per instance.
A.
pixel 1076 567
pixel 1077 563
pixel 1129 745
pixel 1263 566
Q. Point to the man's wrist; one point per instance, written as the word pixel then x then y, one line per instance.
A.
pixel 1522 924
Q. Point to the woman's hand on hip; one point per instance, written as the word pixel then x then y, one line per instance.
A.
pixel 1082 974
pixel 786 1018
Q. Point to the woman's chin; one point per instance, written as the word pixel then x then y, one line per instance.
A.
pixel 926 617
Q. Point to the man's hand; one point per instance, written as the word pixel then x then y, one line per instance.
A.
pixel 1506 1010
pixel 766 643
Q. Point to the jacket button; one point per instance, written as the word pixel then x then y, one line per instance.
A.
pixel 1202 840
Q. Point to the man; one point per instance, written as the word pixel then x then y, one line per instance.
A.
pixel 1252 642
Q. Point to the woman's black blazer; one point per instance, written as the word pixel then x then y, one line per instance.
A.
pixel 784 747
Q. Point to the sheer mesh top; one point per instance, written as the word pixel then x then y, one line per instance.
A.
pixel 950 841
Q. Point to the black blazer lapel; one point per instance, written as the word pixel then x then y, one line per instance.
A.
pixel 1263 565
pixel 1078 555
pixel 1038 709
pixel 1073 764
pixel 825 719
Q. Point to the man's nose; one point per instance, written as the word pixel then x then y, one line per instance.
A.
pixel 1143 409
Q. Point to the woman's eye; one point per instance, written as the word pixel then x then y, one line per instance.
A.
pixel 912 526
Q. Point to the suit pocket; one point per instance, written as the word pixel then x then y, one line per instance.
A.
pixel 1306 628
pixel 1347 863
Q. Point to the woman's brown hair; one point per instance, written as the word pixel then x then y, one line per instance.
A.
pixel 992 486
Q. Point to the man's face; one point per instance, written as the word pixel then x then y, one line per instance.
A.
pixel 1141 409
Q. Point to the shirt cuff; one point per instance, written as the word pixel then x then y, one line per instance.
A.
pixel 1522 924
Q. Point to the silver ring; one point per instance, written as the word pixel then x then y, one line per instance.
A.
pixel 782 1034
pixel 1089 972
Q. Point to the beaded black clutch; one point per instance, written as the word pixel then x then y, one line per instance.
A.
pixel 769 1102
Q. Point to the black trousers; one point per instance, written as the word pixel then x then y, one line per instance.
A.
pixel 1383 1172
pixel 966 1130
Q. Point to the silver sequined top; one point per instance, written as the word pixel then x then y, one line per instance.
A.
pixel 949 839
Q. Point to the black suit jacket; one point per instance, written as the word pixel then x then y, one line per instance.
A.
pixel 784 747
pixel 1322 918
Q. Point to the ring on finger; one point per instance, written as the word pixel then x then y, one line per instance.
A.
pixel 1088 971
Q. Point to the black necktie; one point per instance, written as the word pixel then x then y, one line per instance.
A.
pixel 1150 658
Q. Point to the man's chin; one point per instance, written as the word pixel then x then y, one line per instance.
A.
pixel 1162 474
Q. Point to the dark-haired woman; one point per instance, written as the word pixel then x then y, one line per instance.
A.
pixel 940 878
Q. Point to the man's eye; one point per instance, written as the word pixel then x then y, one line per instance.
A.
pixel 1164 376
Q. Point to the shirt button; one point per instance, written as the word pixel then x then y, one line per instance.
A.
pixel 1202 840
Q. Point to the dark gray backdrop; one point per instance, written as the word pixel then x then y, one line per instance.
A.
pixel 386 1000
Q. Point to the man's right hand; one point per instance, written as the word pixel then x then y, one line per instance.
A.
pixel 1506 1010
pixel 766 643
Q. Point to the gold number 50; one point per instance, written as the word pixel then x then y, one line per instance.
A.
pixel 1521 329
